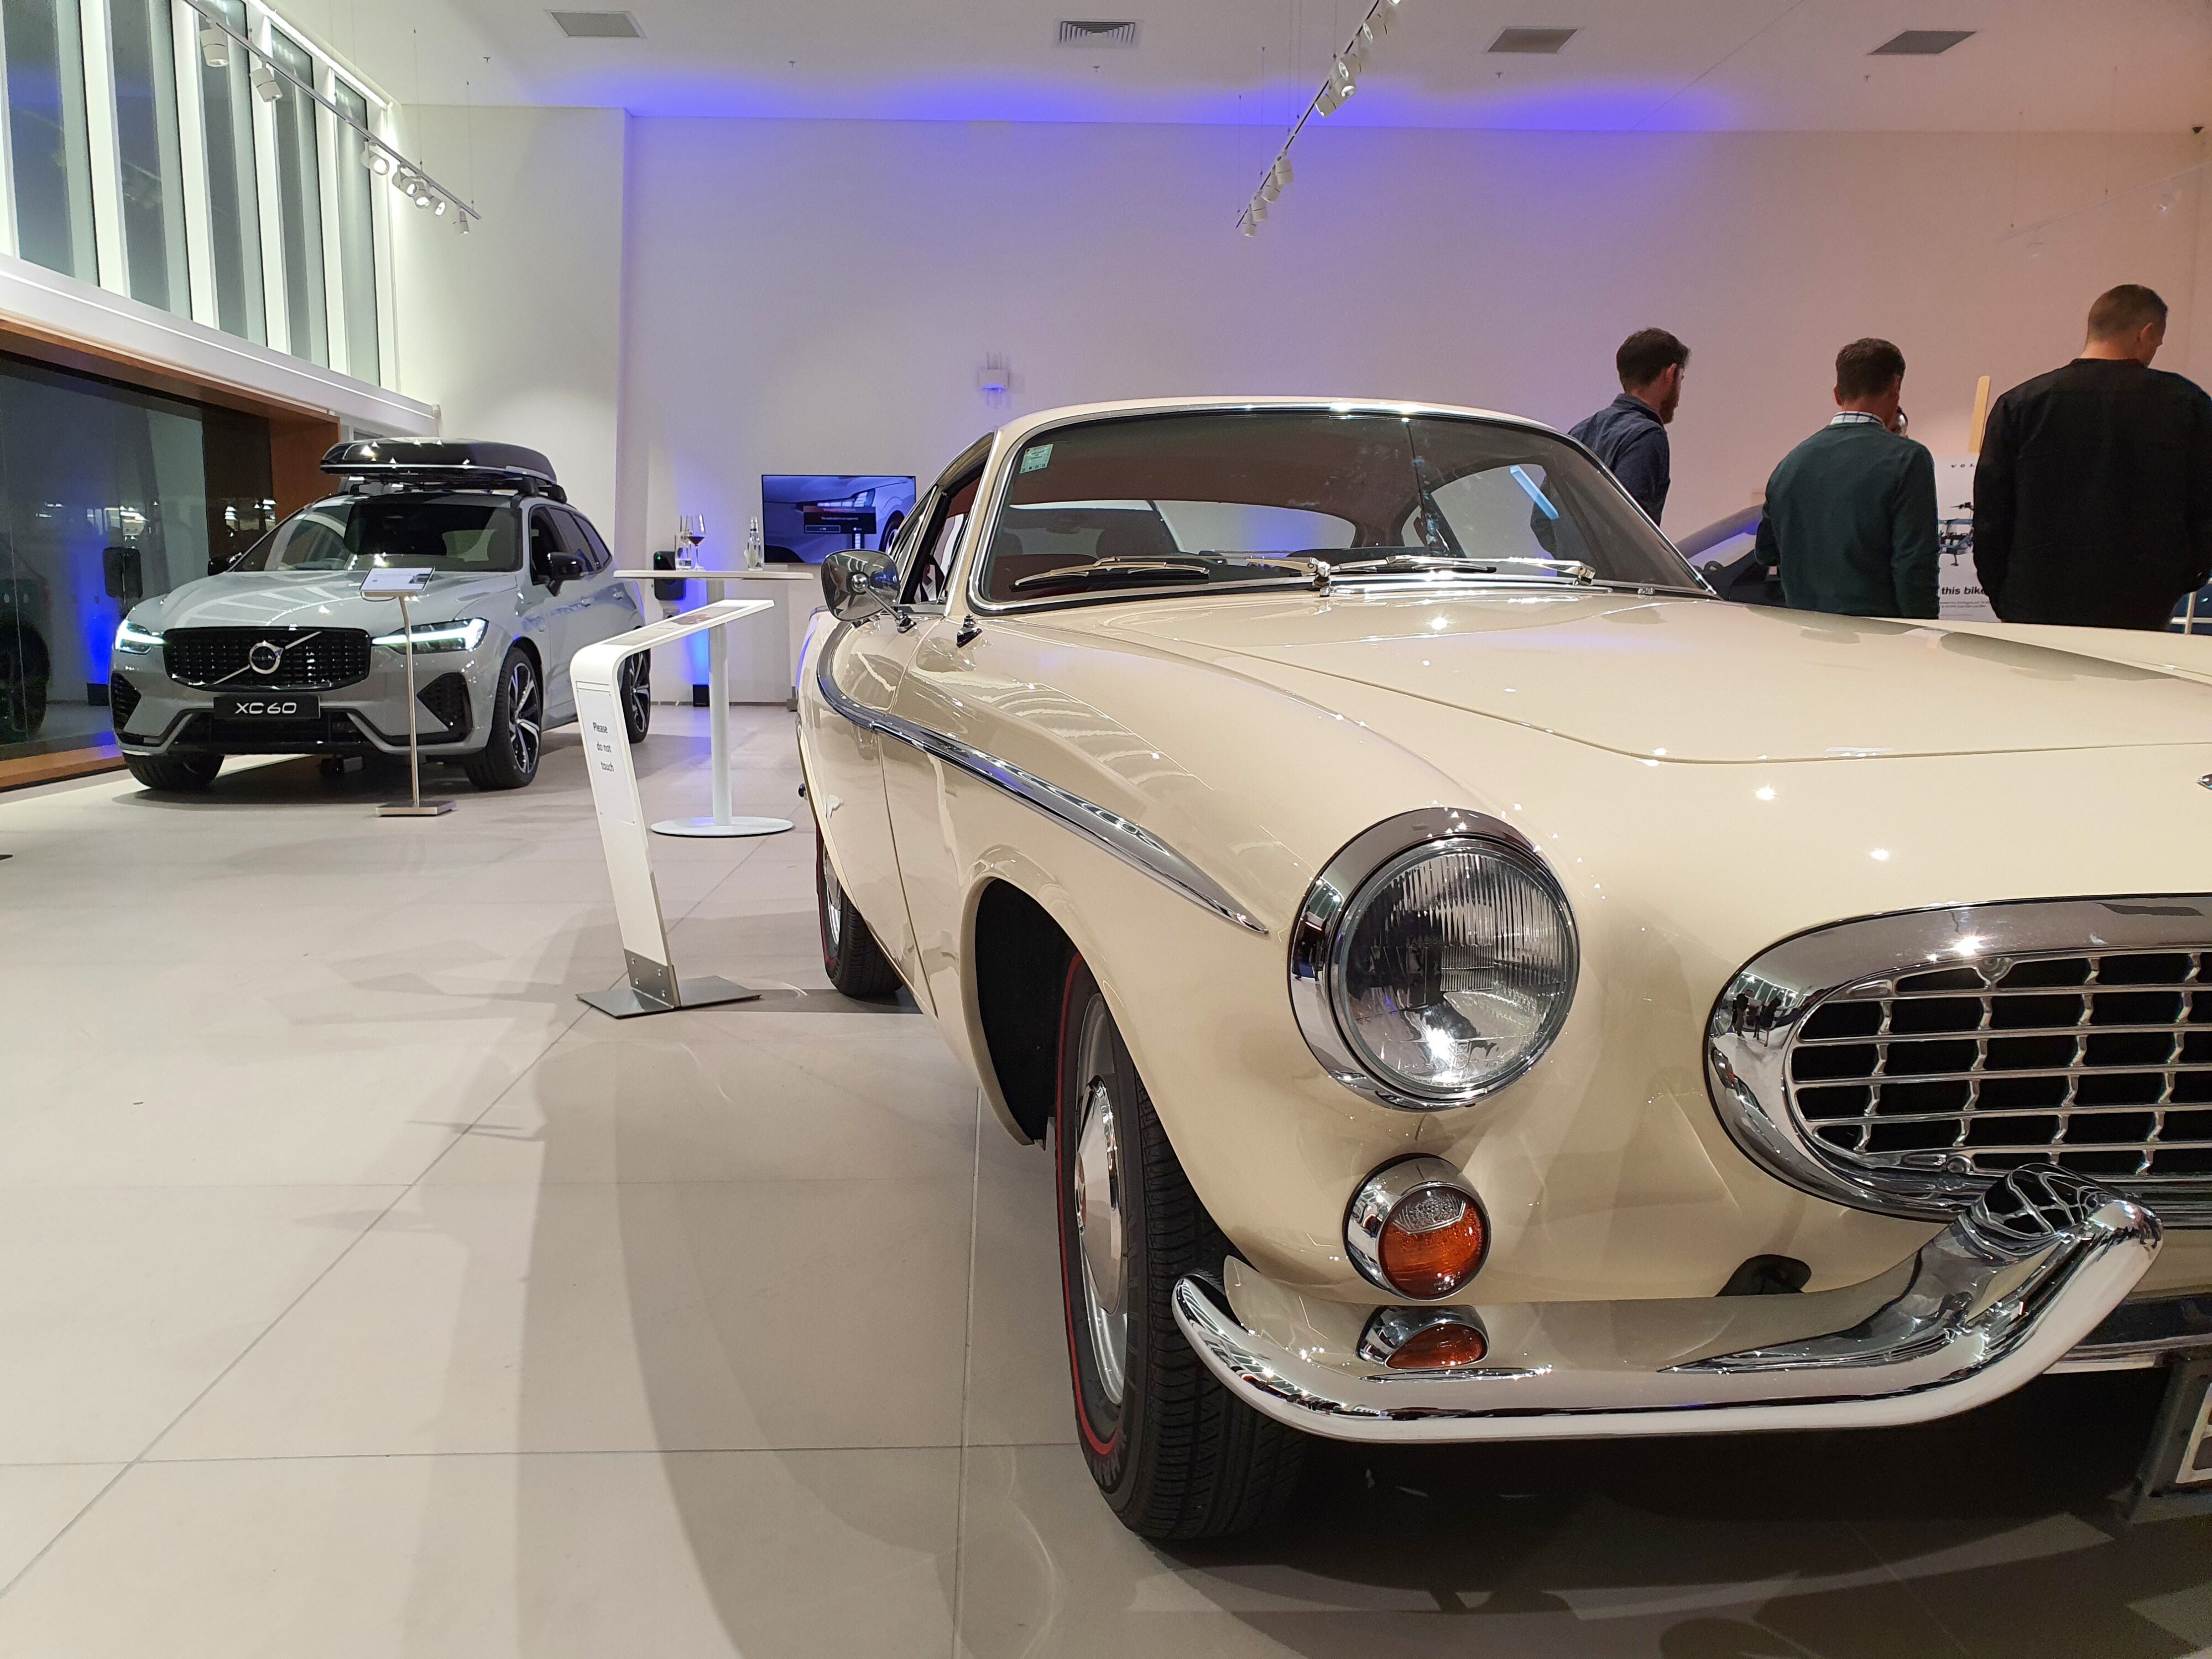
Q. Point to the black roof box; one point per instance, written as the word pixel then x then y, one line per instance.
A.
pixel 444 460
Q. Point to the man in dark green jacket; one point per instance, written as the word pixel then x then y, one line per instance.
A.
pixel 1851 513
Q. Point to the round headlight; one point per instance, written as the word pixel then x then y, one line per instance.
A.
pixel 1447 966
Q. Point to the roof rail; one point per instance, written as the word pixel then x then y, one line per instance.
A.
pixel 452 462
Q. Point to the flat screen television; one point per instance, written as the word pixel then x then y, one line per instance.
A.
pixel 807 516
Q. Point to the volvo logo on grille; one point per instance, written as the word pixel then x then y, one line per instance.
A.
pixel 265 657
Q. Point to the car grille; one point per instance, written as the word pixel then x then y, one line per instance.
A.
pixel 121 699
pixel 2099 1062
pixel 446 698
pixel 313 659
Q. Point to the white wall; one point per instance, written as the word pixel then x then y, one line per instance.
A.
pixel 817 296
pixel 515 329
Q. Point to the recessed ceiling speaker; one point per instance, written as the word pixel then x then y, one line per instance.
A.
pixel 1097 33
pixel 1542 43
pixel 1920 43
pixel 598 24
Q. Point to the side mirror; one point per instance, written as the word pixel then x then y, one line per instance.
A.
pixel 860 582
pixel 563 567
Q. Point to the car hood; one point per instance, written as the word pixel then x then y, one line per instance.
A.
pixel 1694 679
pixel 308 599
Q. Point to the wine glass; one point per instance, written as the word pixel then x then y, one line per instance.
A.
pixel 691 528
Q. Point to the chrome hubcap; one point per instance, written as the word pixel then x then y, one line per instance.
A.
pixel 1101 1232
pixel 522 715
pixel 833 903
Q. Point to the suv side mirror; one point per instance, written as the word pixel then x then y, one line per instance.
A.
pixel 563 567
pixel 860 582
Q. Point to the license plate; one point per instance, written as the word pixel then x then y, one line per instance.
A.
pixel 2177 1476
pixel 269 706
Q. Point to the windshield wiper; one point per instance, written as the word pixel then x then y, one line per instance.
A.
pixel 1426 559
pixel 1154 568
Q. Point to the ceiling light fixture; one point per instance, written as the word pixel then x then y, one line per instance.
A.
pixel 1343 81
pixel 215 48
pixel 265 82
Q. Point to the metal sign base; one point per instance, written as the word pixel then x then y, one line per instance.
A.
pixel 413 809
pixel 710 827
pixel 707 991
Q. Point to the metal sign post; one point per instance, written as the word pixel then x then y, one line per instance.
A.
pixel 399 583
pixel 654 987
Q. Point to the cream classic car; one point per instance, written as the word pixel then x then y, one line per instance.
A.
pixel 1476 986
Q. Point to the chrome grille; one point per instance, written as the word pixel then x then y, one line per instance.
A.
pixel 2099 1062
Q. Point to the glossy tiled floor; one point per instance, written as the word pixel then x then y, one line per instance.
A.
pixel 361 1294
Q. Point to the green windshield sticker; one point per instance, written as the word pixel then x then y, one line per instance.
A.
pixel 1036 458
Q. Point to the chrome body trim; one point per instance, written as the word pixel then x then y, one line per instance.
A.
pixel 1383 1192
pixel 1132 844
pixel 1757 1018
pixel 2004 1293
pixel 1316 940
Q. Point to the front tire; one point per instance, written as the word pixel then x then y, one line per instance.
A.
pixel 180 774
pixel 856 964
pixel 635 686
pixel 509 758
pixel 1174 1453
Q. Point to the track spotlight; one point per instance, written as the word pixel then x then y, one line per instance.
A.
pixel 265 82
pixel 461 220
pixel 423 198
pixel 1345 80
pixel 1281 172
pixel 215 47
pixel 1257 212
pixel 1326 102
pixel 1249 227
pixel 441 209
pixel 1269 190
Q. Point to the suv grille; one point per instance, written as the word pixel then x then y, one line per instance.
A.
pixel 2097 1061
pixel 123 699
pixel 308 659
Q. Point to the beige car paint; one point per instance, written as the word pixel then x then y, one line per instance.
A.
pixel 1706 779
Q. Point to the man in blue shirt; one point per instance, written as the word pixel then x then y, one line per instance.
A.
pixel 1851 513
pixel 1629 435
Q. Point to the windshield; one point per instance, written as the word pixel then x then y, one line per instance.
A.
pixel 1217 497
pixel 459 533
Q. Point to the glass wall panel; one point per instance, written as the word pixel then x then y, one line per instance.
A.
pixel 233 187
pixel 356 238
pixel 148 151
pixel 107 494
pixel 47 135
pixel 299 193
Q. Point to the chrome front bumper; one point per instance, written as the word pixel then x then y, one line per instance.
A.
pixel 2004 1293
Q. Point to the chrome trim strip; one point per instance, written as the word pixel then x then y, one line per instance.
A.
pixel 1315 940
pixel 2004 1293
pixel 1757 1016
pixel 1132 844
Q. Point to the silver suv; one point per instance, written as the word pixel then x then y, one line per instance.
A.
pixel 279 655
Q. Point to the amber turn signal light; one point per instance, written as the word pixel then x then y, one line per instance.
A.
pixel 1432 1243
pixel 1439 1347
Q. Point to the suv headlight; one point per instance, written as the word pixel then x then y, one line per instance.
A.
pixel 135 639
pixel 464 633
pixel 1434 961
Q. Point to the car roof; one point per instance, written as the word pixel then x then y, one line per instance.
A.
pixel 1014 430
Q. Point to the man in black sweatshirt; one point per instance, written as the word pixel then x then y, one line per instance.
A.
pixel 2092 499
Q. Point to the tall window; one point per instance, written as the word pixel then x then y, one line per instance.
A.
pixel 300 202
pixel 234 189
pixel 356 237
pixel 47 135
pixel 147 154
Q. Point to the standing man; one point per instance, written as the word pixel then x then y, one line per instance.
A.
pixel 1629 435
pixel 1851 513
pixel 2093 501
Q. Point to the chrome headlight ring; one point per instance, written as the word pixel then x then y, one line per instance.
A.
pixel 1321 937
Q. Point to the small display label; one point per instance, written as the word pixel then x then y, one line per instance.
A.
pixel 1036 458
pixel 269 706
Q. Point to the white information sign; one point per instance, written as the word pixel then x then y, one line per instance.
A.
pixel 395 581
pixel 606 751
pixel 1959 596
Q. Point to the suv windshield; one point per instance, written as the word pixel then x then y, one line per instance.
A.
pixel 1209 498
pixel 459 533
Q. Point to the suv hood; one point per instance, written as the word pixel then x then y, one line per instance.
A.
pixel 1694 679
pixel 257 598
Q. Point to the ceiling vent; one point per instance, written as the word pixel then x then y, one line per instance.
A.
pixel 1097 33
pixel 1920 43
pixel 598 25
pixel 1542 43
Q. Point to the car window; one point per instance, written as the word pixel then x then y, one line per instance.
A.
pixel 545 540
pixel 368 533
pixel 596 551
pixel 933 551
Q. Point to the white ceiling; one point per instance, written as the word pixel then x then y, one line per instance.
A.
pixel 2132 65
